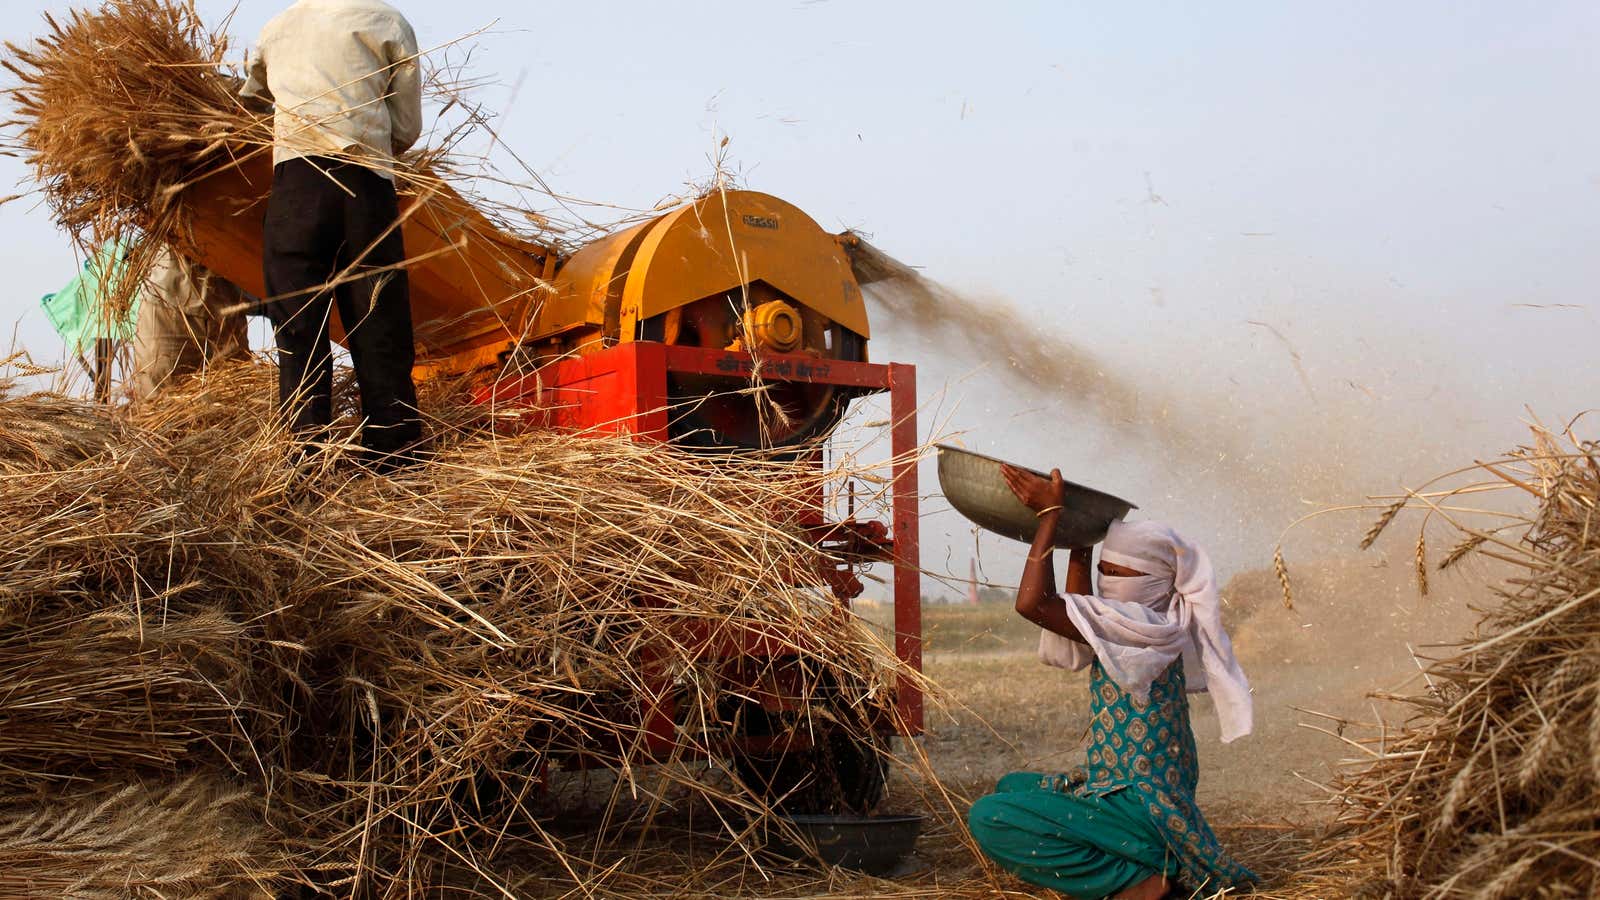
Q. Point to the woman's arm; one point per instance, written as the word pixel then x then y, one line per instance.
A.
pixel 1037 600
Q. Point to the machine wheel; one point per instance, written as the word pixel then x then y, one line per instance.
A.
pixel 840 769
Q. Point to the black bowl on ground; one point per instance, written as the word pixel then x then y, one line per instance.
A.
pixel 870 844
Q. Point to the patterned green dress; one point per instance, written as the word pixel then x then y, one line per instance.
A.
pixel 1126 815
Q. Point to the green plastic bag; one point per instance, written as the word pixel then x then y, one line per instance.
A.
pixel 78 310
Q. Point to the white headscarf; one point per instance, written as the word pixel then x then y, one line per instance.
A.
pixel 1138 625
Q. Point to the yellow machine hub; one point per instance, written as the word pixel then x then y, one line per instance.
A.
pixel 776 326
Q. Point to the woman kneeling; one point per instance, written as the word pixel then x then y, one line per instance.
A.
pixel 1125 824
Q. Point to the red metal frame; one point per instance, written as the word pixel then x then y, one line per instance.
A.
pixel 623 390
pixel 907 534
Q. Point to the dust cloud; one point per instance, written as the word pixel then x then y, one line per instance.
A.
pixel 1036 360
pixel 1264 475
pixel 1228 447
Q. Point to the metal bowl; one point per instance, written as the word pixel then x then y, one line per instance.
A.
pixel 974 486
pixel 871 844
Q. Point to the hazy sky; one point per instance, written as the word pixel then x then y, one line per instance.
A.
pixel 1395 188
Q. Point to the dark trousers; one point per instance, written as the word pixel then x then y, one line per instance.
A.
pixel 328 222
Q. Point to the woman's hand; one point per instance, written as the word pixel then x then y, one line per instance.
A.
pixel 1037 600
pixel 1042 496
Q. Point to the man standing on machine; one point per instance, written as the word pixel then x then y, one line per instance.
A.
pixel 344 82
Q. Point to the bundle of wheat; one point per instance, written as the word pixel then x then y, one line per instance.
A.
pixel 193 838
pixel 118 109
pixel 131 119
pixel 397 663
pixel 1491 787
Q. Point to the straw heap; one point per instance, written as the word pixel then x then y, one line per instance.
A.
pixel 120 105
pixel 1492 786
pixel 390 663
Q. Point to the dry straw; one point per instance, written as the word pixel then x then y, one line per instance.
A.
pixel 391 663
pixel 1490 788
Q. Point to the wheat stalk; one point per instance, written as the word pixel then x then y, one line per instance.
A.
pixel 1459 788
pixel 1421 560
pixel 1460 550
pixel 1537 756
pixel 1383 522
pixel 1594 734
pixel 1507 879
pixel 1281 570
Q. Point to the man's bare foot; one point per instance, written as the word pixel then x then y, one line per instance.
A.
pixel 1153 888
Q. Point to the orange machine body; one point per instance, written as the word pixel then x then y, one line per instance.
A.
pixel 472 283
pixel 480 294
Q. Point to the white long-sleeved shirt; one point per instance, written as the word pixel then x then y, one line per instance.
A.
pixel 343 79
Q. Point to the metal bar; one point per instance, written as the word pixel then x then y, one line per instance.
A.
pixel 690 360
pixel 907 539
pixel 776 367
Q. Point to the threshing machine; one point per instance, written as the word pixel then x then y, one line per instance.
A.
pixel 656 331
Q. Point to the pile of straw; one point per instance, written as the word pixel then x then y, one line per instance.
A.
pixel 388 664
pixel 1491 786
